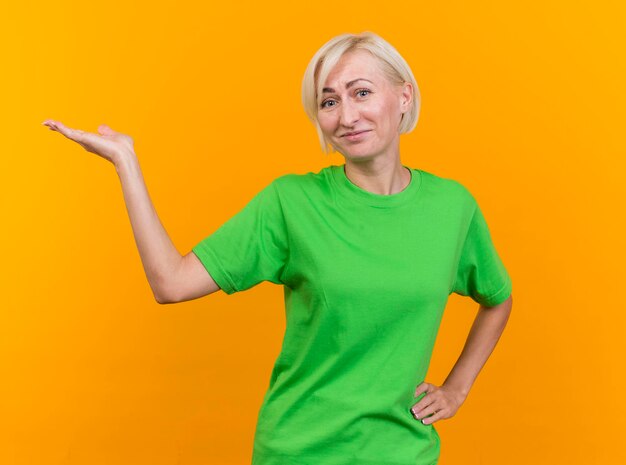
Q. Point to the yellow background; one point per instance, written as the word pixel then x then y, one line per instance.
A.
pixel 523 103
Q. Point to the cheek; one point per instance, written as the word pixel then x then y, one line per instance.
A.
pixel 388 115
pixel 380 111
pixel 326 123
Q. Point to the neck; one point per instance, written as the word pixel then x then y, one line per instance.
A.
pixel 382 177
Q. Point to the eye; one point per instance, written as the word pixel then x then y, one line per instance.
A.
pixel 359 91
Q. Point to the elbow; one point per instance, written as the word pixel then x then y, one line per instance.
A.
pixel 161 295
pixel 160 300
pixel 163 300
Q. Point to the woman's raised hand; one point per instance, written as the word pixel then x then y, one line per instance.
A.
pixel 109 144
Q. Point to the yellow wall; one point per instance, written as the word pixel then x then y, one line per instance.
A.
pixel 523 103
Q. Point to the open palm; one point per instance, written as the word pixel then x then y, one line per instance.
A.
pixel 109 144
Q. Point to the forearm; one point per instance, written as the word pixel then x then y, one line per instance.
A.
pixel 482 339
pixel 158 254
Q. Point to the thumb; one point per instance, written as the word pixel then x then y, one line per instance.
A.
pixel 105 130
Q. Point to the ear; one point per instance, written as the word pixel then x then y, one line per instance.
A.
pixel 406 96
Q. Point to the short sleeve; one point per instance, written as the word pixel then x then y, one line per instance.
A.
pixel 250 247
pixel 481 273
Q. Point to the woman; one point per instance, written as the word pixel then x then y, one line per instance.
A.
pixel 368 253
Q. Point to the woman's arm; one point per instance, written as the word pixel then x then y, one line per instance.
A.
pixel 161 260
pixel 482 339
pixel 443 401
pixel 172 278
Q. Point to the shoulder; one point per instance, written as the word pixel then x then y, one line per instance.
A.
pixel 292 182
pixel 447 190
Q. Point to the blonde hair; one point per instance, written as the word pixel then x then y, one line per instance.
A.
pixel 393 66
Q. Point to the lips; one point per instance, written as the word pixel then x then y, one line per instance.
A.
pixel 353 133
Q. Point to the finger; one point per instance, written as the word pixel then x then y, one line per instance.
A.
pixel 76 135
pixel 429 410
pixel 422 387
pixel 49 124
pixel 423 408
pixel 62 128
pixel 428 420
pixel 54 125
pixel 105 130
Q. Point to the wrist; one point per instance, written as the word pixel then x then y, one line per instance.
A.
pixel 124 162
pixel 460 390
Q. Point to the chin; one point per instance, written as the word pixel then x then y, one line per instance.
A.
pixel 358 156
pixel 358 152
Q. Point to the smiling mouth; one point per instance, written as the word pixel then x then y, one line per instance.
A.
pixel 353 133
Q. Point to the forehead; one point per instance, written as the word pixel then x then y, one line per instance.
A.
pixel 354 64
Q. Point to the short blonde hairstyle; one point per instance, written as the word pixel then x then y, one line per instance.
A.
pixel 393 66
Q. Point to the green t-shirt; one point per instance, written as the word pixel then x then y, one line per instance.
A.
pixel 366 279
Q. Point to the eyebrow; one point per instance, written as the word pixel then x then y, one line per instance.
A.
pixel 348 85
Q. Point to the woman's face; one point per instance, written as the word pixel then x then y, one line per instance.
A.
pixel 358 98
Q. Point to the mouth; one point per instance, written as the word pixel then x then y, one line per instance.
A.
pixel 354 133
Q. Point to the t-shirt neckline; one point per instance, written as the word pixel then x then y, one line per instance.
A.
pixel 359 194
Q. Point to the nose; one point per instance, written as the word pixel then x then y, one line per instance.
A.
pixel 348 113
